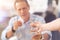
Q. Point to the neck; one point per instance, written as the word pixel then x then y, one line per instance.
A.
pixel 27 19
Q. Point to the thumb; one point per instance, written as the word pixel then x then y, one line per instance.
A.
pixel 33 24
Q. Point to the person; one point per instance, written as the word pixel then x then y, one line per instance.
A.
pixel 19 26
pixel 50 16
pixel 51 26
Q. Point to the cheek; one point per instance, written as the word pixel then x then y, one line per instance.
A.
pixel 18 13
pixel 26 11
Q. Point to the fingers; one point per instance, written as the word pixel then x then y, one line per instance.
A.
pixel 37 37
pixel 34 29
pixel 17 23
pixel 35 24
pixel 37 27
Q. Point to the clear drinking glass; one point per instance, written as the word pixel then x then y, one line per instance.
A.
pixel 34 28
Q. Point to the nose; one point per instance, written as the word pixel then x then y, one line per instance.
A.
pixel 22 11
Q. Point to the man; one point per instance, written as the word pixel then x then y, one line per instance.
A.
pixel 19 26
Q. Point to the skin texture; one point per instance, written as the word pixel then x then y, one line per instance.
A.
pixel 51 26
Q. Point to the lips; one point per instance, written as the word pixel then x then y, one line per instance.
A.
pixel 24 14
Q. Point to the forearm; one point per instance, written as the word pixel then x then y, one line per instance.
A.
pixel 9 34
pixel 52 26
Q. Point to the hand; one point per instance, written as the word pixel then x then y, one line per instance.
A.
pixel 35 26
pixel 37 37
pixel 17 24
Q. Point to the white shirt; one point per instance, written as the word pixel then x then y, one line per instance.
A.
pixel 23 33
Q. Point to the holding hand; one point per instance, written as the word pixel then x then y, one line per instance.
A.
pixel 37 27
pixel 17 24
pixel 37 37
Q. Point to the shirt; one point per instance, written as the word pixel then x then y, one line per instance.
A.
pixel 23 33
